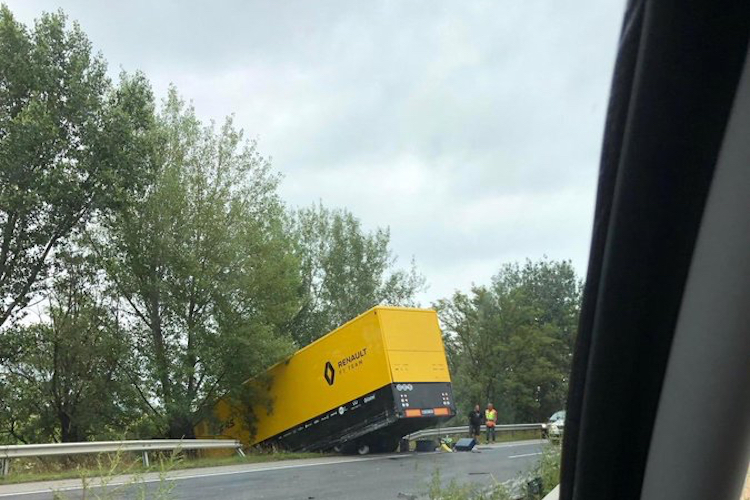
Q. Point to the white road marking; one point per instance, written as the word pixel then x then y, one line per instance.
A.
pixel 525 455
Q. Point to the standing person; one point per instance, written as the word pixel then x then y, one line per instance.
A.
pixel 490 417
pixel 475 422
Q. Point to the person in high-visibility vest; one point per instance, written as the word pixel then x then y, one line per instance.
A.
pixel 490 419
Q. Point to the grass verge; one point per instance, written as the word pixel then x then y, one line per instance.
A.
pixel 506 436
pixel 533 485
pixel 24 471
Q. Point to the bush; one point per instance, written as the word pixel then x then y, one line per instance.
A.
pixel 548 469
pixel 533 486
pixel 468 491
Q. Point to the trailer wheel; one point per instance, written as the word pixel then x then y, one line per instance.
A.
pixel 363 449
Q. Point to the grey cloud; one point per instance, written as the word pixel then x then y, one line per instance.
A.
pixel 472 129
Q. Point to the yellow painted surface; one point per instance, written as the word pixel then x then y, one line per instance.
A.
pixel 418 366
pixel 382 346
pixel 414 344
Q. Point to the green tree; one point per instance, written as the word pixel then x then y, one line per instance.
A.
pixel 70 145
pixel 204 266
pixel 470 334
pixel 511 343
pixel 345 271
pixel 65 380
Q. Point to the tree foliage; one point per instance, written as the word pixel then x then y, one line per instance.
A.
pixel 204 266
pixel 511 343
pixel 70 145
pixel 65 380
pixel 345 271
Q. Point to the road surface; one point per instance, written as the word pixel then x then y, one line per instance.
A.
pixel 376 477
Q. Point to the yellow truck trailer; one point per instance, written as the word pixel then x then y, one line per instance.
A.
pixel 359 388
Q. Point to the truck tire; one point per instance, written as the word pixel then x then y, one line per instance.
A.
pixel 349 448
pixel 363 448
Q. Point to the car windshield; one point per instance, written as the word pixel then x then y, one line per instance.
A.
pixel 560 415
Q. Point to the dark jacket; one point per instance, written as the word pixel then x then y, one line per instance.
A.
pixel 475 418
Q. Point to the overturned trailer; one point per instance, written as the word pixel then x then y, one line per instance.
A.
pixel 359 388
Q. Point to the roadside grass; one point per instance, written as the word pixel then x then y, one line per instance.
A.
pixel 548 469
pixel 533 485
pixel 104 486
pixel 114 464
pixel 506 436
pixel 467 491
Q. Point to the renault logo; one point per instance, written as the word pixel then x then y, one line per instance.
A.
pixel 329 373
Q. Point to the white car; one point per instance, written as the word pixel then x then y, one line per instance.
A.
pixel 554 428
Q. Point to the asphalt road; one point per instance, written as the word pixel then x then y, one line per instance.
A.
pixel 376 477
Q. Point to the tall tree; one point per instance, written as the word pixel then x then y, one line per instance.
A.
pixel 65 380
pixel 345 271
pixel 470 331
pixel 511 343
pixel 205 267
pixel 69 145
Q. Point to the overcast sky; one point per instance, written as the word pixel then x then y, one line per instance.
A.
pixel 471 129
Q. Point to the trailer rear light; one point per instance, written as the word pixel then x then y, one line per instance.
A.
pixel 427 412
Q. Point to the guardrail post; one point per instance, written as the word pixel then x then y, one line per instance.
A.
pixel 240 452
pixel 145 459
pixel 5 466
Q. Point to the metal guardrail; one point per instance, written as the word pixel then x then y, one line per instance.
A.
pixel 143 446
pixel 464 429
